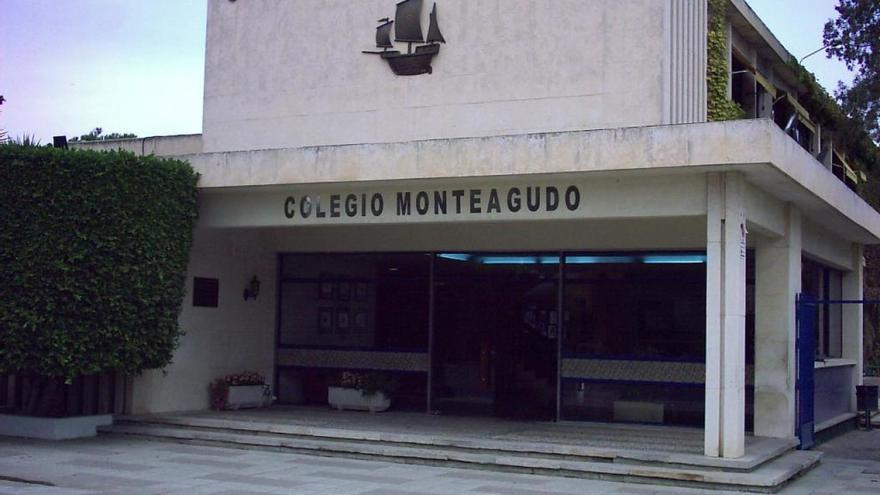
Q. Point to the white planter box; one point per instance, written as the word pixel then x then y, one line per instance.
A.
pixel 352 398
pixel 244 396
pixel 52 428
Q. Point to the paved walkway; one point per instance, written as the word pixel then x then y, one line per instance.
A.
pixel 114 465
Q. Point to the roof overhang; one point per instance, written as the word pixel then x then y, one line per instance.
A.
pixel 768 158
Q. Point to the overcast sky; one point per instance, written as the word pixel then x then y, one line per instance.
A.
pixel 67 66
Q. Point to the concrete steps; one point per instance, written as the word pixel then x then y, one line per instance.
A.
pixel 765 473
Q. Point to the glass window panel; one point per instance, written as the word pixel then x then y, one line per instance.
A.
pixel 650 305
pixel 363 301
pixel 645 309
pixel 496 327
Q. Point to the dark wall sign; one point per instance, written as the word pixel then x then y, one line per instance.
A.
pixel 206 292
pixel 528 199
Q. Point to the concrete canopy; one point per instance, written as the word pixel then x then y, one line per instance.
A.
pixel 768 159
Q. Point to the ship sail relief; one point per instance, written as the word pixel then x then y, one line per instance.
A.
pixel 407 26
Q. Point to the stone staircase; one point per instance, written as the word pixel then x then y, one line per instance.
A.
pixel 767 468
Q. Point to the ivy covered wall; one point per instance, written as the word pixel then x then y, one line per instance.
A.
pixel 720 107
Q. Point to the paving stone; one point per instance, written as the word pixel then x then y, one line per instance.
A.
pixel 109 465
pixel 251 480
pixel 501 477
pixel 90 480
pixel 850 488
pixel 341 475
pixel 386 491
pixel 206 451
pixel 508 490
pixel 239 492
pixel 328 462
pixel 207 462
pixel 639 491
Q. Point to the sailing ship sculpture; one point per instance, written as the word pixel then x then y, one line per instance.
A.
pixel 407 25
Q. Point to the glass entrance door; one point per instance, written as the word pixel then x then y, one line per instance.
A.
pixel 496 326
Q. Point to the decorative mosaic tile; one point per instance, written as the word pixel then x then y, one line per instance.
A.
pixel 367 360
pixel 639 371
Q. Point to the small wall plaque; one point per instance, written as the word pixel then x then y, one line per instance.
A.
pixel 206 292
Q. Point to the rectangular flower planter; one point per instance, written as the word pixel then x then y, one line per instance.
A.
pixel 245 396
pixel 354 399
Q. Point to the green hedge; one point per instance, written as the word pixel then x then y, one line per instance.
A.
pixel 93 255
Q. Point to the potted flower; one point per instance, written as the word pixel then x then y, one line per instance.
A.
pixel 247 389
pixel 365 391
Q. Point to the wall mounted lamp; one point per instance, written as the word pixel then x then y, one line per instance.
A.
pixel 252 290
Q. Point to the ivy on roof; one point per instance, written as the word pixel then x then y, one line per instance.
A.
pixel 849 135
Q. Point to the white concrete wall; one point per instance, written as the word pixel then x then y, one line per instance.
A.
pixel 291 73
pixel 185 144
pixel 680 233
pixel 236 336
pixel 826 247
pixel 600 197
pixel 778 281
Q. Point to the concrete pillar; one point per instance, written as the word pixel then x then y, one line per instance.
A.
pixel 777 283
pixel 765 106
pixel 724 434
pixel 853 282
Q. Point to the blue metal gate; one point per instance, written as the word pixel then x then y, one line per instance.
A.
pixel 806 356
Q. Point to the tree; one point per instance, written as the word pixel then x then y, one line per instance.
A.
pixel 96 135
pixel 854 38
pixel 3 135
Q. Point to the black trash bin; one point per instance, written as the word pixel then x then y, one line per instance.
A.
pixel 866 399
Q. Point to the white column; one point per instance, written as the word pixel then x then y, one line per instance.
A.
pixel 714 283
pixel 853 282
pixel 777 283
pixel 724 434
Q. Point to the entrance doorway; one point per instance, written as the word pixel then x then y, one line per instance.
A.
pixel 616 337
pixel 496 335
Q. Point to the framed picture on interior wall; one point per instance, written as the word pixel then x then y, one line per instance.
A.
pixel 360 320
pixel 343 320
pixel 325 289
pixel 361 291
pixel 343 291
pixel 325 320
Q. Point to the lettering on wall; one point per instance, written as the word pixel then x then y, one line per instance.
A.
pixel 442 202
